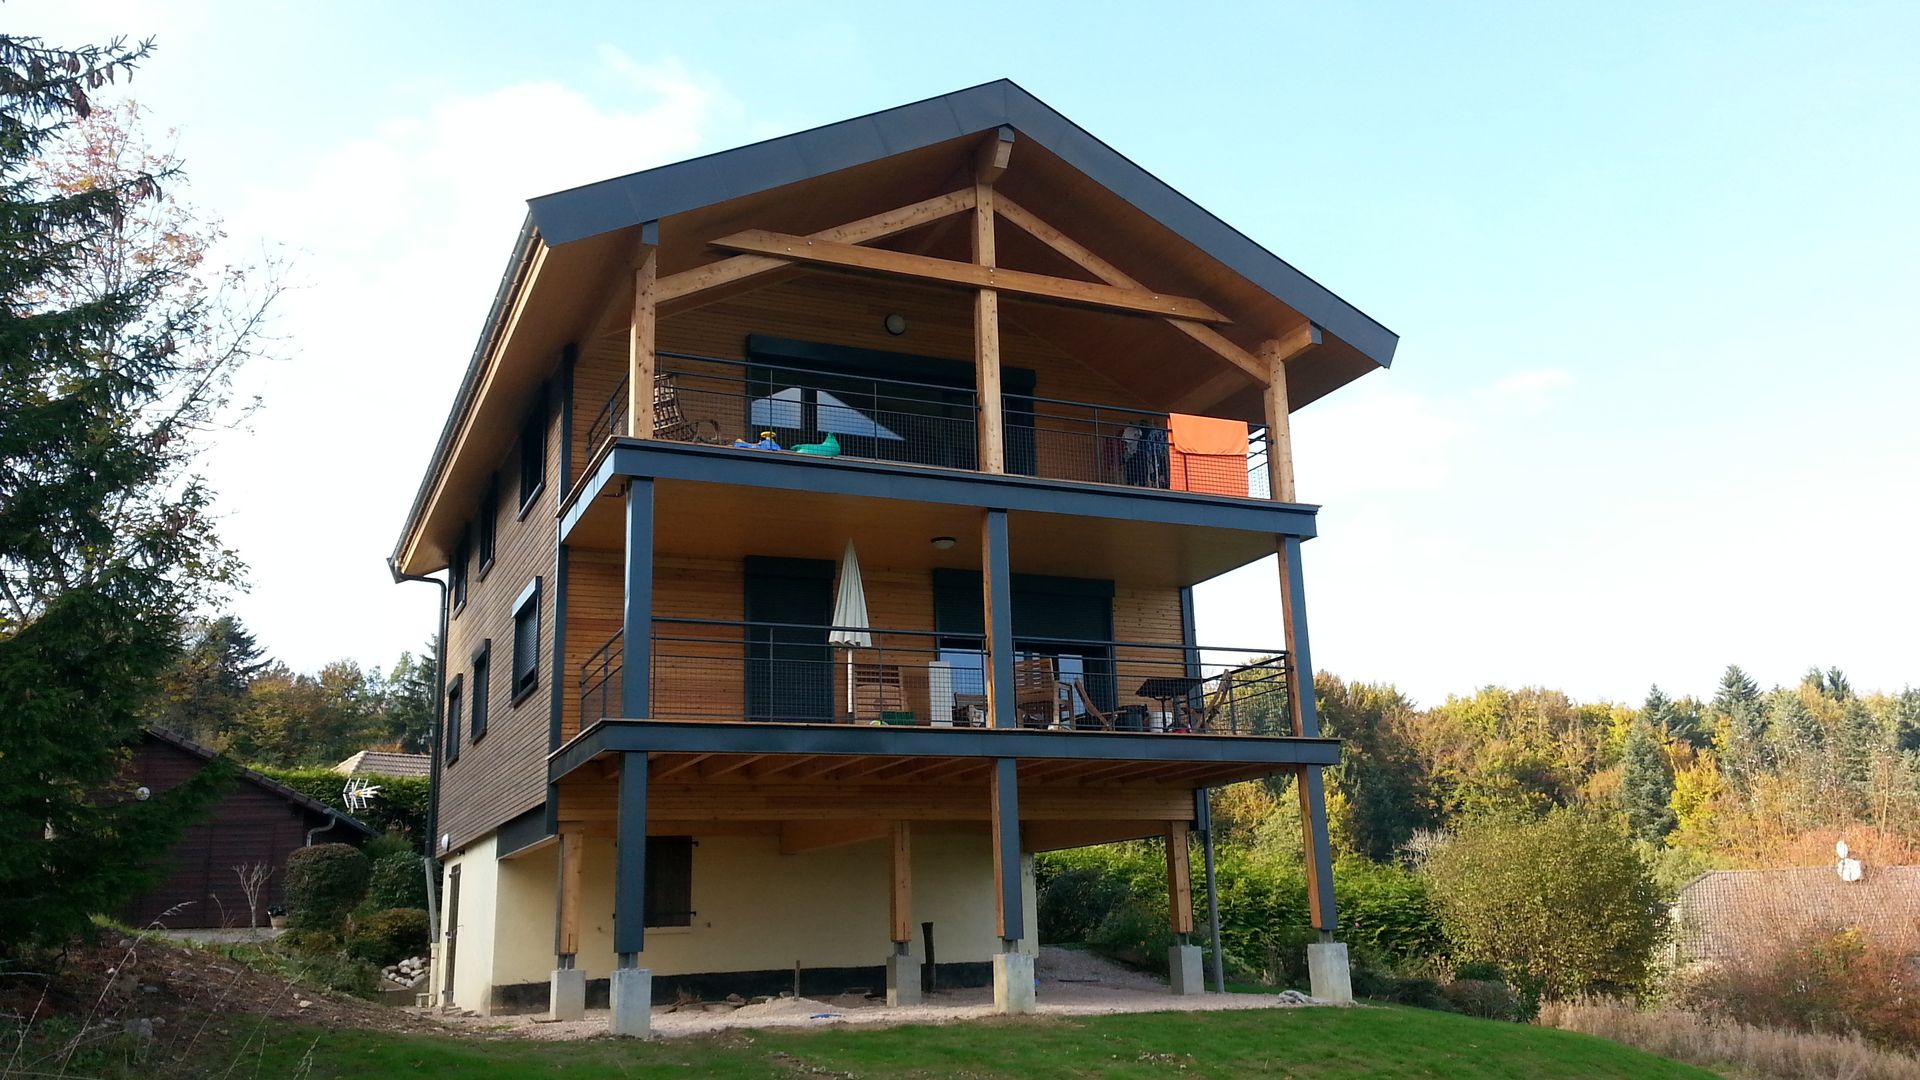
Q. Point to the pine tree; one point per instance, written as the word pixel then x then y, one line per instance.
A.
pixel 206 692
pixel 106 543
pixel 1743 726
pixel 1646 787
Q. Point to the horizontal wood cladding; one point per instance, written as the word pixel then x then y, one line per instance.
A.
pixel 504 773
pixel 594 801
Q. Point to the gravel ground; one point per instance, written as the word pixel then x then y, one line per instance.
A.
pixel 1072 983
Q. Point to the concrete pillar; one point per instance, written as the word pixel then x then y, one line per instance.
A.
pixel 567 994
pixel 1328 977
pixel 1012 982
pixel 1184 969
pixel 630 995
pixel 903 979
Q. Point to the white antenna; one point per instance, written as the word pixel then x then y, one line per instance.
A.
pixel 1848 869
pixel 359 793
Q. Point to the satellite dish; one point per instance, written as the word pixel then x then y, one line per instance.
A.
pixel 1849 869
pixel 1840 848
pixel 359 794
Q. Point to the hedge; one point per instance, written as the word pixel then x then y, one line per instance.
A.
pixel 402 801
pixel 388 937
pixel 397 882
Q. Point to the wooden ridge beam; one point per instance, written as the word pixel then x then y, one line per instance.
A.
pixel 995 154
pixel 971 275
pixel 687 283
pixel 1083 257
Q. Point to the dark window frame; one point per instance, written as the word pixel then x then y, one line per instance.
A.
pixel 526 663
pixel 455 689
pixel 482 683
pixel 533 456
pixel 489 527
pixel 457 577
pixel 670 866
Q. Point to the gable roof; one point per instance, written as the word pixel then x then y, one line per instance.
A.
pixel 312 805
pixel 641 197
pixel 385 763
pixel 1724 913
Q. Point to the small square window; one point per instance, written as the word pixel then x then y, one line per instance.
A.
pixel 526 641
pixel 482 670
pixel 533 456
pixel 454 717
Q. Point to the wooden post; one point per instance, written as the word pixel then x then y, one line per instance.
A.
pixel 572 873
pixel 900 909
pixel 1279 429
pixel 1179 881
pixel 986 340
pixel 640 351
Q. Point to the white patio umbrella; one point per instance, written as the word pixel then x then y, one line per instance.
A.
pixel 850 615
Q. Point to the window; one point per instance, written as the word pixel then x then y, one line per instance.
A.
pixel 482 669
pixel 669 881
pixel 489 524
pixel 533 456
pixel 457 574
pixel 526 642
pixel 452 753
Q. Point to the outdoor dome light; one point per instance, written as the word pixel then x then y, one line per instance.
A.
pixel 896 324
pixel 943 542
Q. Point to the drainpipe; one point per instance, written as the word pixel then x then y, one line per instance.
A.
pixel 430 866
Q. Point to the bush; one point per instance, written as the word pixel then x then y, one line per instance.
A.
pixel 1074 902
pixel 1817 981
pixel 1562 903
pixel 1484 998
pixel 388 937
pixel 402 801
pixel 324 884
pixel 397 881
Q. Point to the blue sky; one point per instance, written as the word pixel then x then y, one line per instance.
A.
pixel 1653 267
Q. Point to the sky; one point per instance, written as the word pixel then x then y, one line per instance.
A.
pixel 1653 266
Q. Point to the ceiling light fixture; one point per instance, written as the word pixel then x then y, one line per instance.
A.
pixel 944 542
pixel 896 324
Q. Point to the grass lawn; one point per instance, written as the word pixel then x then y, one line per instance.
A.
pixel 1305 1043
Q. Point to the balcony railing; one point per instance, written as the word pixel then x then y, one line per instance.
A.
pixel 794 673
pixel 707 400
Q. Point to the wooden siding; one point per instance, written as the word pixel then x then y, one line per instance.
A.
pixel 504 773
pixel 199 886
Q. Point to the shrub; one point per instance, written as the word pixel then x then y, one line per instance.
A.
pixel 1562 903
pixel 1484 998
pixel 1817 981
pixel 324 884
pixel 402 800
pixel 388 937
pixel 1074 902
pixel 397 881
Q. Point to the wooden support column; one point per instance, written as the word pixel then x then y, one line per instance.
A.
pixel 572 873
pixel 1274 355
pixel 1009 899
pixel 641 332
pixel 900 905
pixel 996 586
pixel 636 662
pixel 630 866
pixel 1179 882
pixel 1306 723
pixel 986 341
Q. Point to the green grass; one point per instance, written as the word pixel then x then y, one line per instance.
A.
pixel 1385 1043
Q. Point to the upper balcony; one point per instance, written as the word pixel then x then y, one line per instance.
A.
pixel 776 408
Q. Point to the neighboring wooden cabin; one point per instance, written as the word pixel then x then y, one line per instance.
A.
pixel 256 822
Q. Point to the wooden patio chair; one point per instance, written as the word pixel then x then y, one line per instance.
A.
pixel 670 423
pixel 877 690
pixel 1201 719
pixel 1099 716
pixel 1036 690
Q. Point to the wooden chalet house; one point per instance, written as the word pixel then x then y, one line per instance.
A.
pixel 1040 394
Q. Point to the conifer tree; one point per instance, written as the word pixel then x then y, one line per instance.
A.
pixel 1646 787
pixel 106 544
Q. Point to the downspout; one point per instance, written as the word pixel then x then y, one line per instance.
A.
pixel 430 866
pixel 332 820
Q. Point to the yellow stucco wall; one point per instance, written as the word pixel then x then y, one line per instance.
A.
pixel 755 910
pixel 474 925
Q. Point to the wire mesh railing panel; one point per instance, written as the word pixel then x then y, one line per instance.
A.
pixel 1148 687
pixel 599 683
pixel 1093 444
pixel 798 674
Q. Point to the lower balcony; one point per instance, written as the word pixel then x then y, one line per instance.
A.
pixel 782 673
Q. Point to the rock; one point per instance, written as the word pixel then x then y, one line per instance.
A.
pixel 719 1007
pixel 736 999
pixel 141 1029
pixel 305 1004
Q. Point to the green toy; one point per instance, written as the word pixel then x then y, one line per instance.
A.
pixel 828 447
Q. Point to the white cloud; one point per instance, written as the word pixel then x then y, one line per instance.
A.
pixel 398 238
